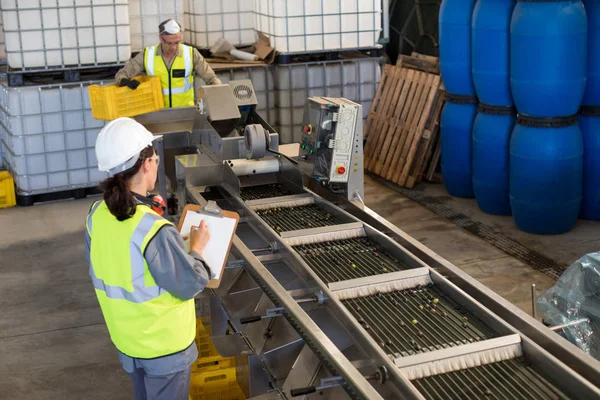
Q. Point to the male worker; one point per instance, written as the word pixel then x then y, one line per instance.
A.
pixel 172 61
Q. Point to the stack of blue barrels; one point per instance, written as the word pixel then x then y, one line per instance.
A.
pixel 531 58
pixel 461 102
pixel 479 116
pixel 548 53
pixel 589 117
pixel 496 118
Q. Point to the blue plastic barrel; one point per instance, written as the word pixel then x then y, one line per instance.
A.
pixel 589 122
pixel 546 174
pixel 492 130
pixel 592 91
pixel 456 127
pixel 455 46
pixel 548 57
pixel 491 51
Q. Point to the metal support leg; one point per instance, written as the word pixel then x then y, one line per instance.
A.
pixel 533 299
pixel 162 177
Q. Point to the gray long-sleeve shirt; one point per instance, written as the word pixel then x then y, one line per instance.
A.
pixel 181 274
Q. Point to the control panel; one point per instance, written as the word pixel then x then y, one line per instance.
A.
pixel 328 136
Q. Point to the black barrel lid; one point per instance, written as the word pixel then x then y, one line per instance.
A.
pixel 496 110
pixel 560 122
pixel 589 111
pixel 541 1
pixel 458 99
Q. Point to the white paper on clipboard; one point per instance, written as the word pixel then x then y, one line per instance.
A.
pixel 221 231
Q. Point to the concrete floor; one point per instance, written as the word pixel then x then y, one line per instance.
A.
pixel 53 340
pixel 564 249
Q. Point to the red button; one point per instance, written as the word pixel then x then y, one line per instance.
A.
pixel 306 129
pixel 341 170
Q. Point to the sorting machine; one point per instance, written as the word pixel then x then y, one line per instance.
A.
pixel 327 299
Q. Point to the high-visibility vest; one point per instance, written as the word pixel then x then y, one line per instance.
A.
pixel 144 320
pixel 178 82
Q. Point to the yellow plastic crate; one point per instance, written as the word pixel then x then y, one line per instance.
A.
pixel 111 102
pixel 206 348
pixel 213 363
pixel 215 385
pixel 7 190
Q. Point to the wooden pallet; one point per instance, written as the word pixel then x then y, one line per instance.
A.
pixel 403 125
pixel 420 62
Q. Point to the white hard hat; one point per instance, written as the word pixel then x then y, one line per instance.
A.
pixel 119 144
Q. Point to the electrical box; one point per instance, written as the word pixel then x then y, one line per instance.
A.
pixel 332 138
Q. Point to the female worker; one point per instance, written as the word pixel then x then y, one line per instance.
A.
pixel 144 279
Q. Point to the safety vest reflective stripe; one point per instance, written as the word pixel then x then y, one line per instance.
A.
pixel 179 90
pixel 150 61
pixel 89 217
pixel 140 293
pixel 188 62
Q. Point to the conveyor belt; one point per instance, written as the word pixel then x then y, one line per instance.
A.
pixel 340 260
pixel 416 320
pixel 506 380
pixel 264 192
pixel 285 219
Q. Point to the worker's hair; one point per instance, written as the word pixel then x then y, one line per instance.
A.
pixel 117 196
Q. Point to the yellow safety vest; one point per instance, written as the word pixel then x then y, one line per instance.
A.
pixel 144 320
pixel 178 82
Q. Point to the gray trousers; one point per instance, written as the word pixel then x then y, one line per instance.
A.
pixel 169 387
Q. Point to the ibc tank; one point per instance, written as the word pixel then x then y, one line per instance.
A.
pixel 546 174
pixel 589 122
pixel 490 51
pixel 455 129
pixel 548 53
pixel 455 46
pixel 592 92
pixel 492 130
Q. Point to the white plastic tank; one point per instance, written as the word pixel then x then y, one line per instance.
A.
pixel 355 80
pixel 313 25
pixel 146 15
pixel 1 157
pixel 55 33
pixel 206 21
pixel 49 135
pixel 2 47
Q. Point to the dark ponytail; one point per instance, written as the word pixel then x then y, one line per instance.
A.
pixel 117 196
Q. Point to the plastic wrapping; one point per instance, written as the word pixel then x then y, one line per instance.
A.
pixel 575 296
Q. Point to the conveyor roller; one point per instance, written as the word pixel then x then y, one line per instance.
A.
pixel 505 380
pixel 416 320
pixel 264 192
pixel 341 260
pixel 285 219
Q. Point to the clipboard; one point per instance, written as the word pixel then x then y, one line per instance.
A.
pixel 212 212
